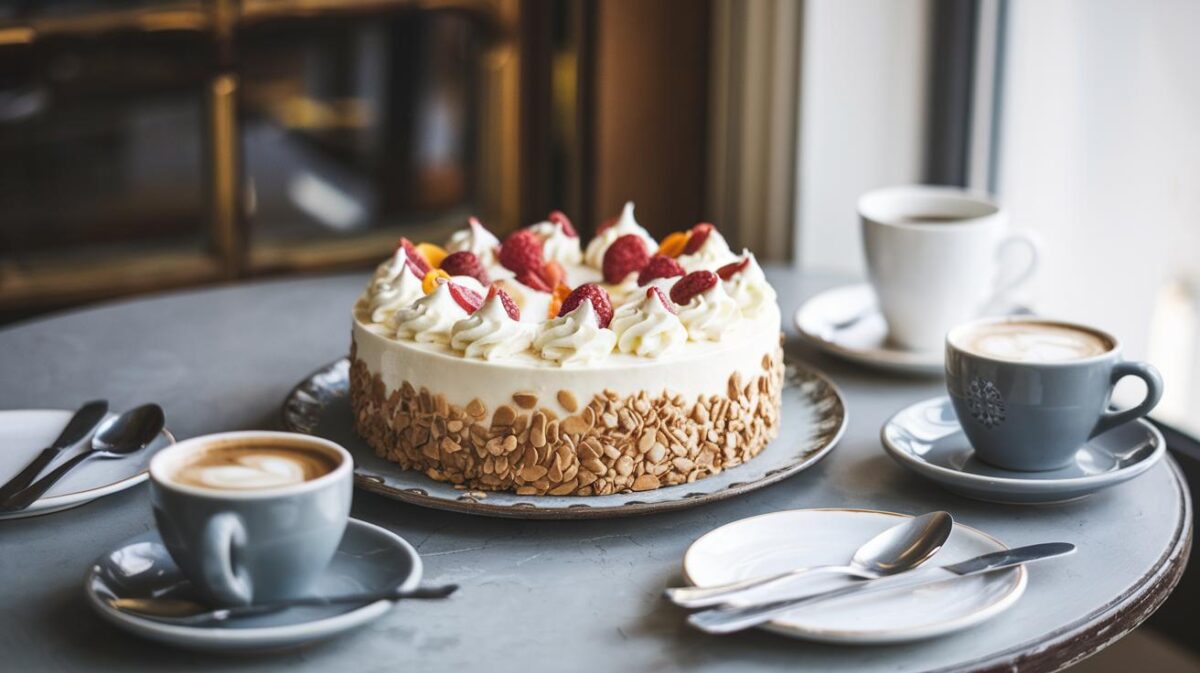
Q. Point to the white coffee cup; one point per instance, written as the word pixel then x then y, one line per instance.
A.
pixel 934 257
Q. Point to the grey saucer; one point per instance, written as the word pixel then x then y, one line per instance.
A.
pixel 927 439
pixel 369 558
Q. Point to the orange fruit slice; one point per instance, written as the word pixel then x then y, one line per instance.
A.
pixel 433 254
pixel 673 244
pixel 431 281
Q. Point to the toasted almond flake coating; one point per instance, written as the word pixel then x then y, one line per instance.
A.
pixel 606 445
pixel 525 400
pixel 567 399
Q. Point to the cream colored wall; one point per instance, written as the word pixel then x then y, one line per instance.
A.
pixel 862 116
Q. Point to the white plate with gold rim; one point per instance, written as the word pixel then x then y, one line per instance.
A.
pixel 772 543
pixel 814 418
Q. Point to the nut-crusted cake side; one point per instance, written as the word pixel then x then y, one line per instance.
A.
pixel 607 444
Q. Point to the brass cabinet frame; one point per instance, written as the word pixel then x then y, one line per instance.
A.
pixel 230 257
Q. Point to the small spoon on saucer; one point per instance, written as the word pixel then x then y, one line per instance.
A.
pixel 897 549
pixel 191 613
pixel 117 437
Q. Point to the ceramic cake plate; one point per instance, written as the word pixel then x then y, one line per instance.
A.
pixel 814 418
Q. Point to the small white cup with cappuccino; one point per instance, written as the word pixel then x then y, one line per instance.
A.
pixel 934 259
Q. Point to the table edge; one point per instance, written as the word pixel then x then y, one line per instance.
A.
pixel 1102 627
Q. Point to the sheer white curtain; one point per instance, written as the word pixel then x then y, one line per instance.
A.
pixel 1099 152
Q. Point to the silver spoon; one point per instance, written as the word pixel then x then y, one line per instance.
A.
pixel 191 613
pixel 115 438
pixel 897 549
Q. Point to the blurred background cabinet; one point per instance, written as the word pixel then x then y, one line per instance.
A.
pixel 149 145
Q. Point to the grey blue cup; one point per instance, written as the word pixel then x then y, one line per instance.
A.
pixel 241 547
pixel 1033 416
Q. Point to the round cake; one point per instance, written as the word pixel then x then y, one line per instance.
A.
pixel 542 366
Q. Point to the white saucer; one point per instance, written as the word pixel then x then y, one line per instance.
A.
pixel 927 439
pixel 369 558
pixel 23 435
pixel 844 322
pixel 772 543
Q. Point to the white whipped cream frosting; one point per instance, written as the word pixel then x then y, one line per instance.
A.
pixel 490 334
pixel 576 338
pixel 709 315
pixel 626 224
pixel 713 254
pixel 478 240
pixel 750 289
pixel 430 318
pixel 626 290
pixel 386 297
pixel 557 245
pixel 647 328
pixel 392 267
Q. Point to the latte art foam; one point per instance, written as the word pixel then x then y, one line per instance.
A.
pixel 241 468
pixel 1033 342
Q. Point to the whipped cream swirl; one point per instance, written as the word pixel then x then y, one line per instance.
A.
pixel 625 225
pixel 557 245
pixel 626 290
pixel 713 253
pixel 430 318
pixel 387 297
pixel 647 328
pixel 478 240
pixel 490 334
pixel 709 315
pixel 391 269
pixel 750 289
pixel 576 338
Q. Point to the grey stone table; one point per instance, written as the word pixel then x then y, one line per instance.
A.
pixel 548 595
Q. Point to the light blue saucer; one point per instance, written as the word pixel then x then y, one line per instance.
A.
pixel 369 558
pixel 926 438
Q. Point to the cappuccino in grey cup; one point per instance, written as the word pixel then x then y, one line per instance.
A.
pixel 252 516
pixel 1030 392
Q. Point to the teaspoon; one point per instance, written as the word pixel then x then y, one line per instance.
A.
pixel 191 613
pixel 897 549
pixel 115 438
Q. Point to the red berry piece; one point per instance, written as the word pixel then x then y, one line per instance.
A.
pixel 655 292
pixel 510 306
pixel 593 293
pixel 624 256
pixel 415 261
pixel 697 238
pixel 467 298
pixel 533 279
pixel 521 251
pixel 465 263
pixel 553 273
pixel 733 268
pixel 560 218
pixel 691 285
pixel 659 266
pixel 606 224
